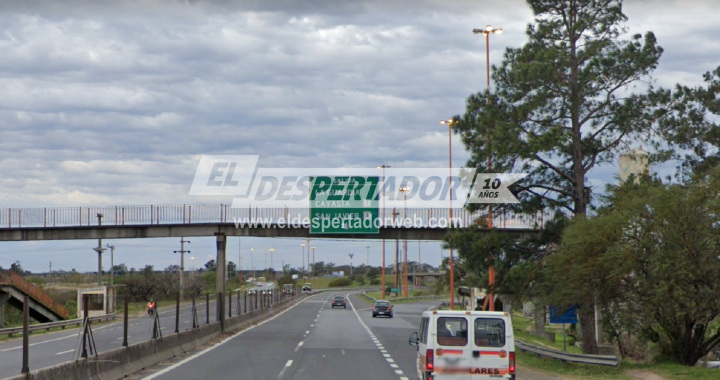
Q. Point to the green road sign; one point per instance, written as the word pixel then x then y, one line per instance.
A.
pixel 394 290
pixel 344 205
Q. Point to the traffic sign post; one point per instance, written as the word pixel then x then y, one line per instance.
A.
pixel 569 316
pixel 344 205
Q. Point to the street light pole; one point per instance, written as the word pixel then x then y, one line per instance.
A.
pixel 313 268
pixel 272 269
pixel 452 272
pixel 405 272
pixel 112 264
pixel 252 264
pixel 491 270
pixel 351 268
pixel 303 260
pixel 367 259
pixel 383 223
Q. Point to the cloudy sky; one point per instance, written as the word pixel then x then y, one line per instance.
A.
pixel 113 102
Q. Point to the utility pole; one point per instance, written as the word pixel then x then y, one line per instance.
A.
pixel 313 267
pixel 99 250
pixel 397 250
pixel 308 259
pixel 351 268
pixel 367 259
pixel 182 253
pixel 240 274
pixel 50 272
pixel 112 264
pixel 303 260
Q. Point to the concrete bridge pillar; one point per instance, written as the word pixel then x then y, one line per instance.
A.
pixel 4 297
pixel 220 273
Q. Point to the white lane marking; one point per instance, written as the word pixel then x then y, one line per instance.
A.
pixel 205 351
pixel 64 352
pixel 307 332
pixel 298 346
pixel 287 365
pixel 50 340
pixel 377 342
pixel 403 378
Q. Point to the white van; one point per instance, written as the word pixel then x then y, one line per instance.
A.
pixel 464 345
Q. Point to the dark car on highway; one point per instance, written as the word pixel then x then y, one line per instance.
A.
pixel 382 308
pixel 339 301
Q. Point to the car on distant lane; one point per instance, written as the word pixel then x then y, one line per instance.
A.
pixel 339 300
pixel 382 308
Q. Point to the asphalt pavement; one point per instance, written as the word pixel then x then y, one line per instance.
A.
pixel 58 347
pixel 308 341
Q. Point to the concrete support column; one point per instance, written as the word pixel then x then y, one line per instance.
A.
pixel 4 297
pixel 220 273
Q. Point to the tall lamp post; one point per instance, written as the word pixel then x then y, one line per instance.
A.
pixel 252 264
pixel 303 260
pixel 450 123
pixel 405 273
pixel 313 268
pixel 112 264
pixel 491 270
pixel 351 268
pixel 367 259
pixel 272 270
pixel 193 265
pixel 383 223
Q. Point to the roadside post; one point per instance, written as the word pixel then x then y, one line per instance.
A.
pixel 207 308
pixel 125 320
pixel 26 335
pixel 177 314
pixel 569 315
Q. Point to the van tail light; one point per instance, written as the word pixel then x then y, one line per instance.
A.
pixel 345 301
pixel 429 359
pixel 512 363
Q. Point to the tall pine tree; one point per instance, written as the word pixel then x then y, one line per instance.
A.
pixel 563 104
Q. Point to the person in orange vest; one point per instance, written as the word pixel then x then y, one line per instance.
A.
pixel 151 307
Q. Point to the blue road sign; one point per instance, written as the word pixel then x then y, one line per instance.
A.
pixel 569 316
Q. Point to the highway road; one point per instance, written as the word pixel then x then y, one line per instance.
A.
pixel 310 341
pixel 57 347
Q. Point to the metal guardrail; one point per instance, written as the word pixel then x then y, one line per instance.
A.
pixel 606 360
pixel 223 213
pixel 47 326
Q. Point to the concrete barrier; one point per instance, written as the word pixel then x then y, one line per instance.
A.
pixel 124 361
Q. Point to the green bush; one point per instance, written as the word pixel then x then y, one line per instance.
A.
pixel 374 281
pixel 417 293
pixel 388 288
pixel 342 281
pixel 360 280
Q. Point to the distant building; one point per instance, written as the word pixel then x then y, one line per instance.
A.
pixel 637 162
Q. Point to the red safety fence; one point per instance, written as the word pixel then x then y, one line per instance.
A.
pixel 13 279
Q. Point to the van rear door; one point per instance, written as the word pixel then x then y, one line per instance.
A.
pixel 490 348
pixel 452 347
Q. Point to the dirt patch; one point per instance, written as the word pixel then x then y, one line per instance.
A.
pixel 643 375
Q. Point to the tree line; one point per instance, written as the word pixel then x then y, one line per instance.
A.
pixel 645 253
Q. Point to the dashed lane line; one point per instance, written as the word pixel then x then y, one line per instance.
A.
pixel 205 351
pixel 377 342
pixel 287 365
